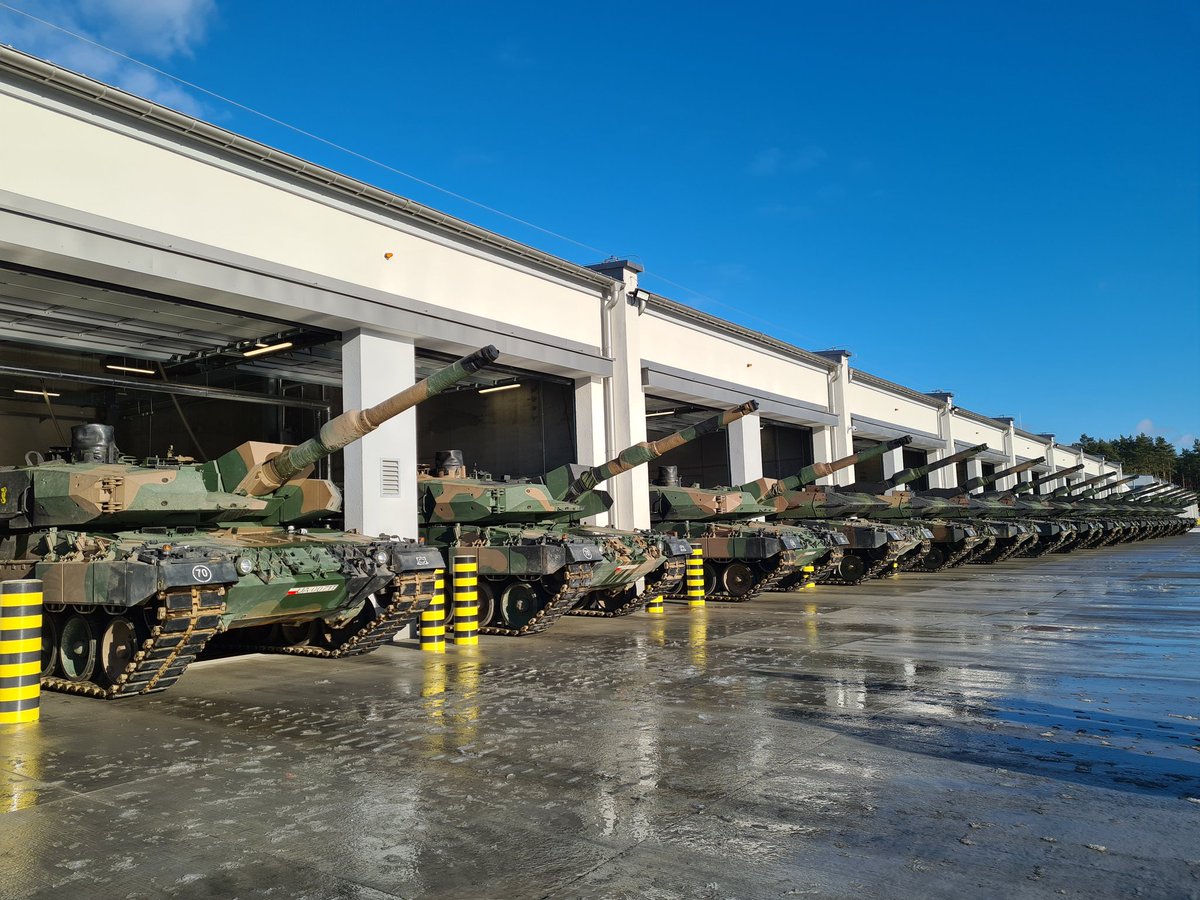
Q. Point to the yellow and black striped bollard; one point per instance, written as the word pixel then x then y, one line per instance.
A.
pixel 808 579
pixel 466 599
pixel 655 605
pixel 695 577
pixel 20 651
pixel 433 618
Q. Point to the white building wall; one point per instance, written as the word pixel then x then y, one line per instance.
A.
pixel 877 403
pixel 682 345
pixel 971 431
pixel 164 187
pixel 1024 448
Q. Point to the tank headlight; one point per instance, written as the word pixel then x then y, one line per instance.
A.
pixel 245 565
pixel 380 556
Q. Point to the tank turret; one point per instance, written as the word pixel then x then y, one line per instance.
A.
pixel 567 493
pixel 644 452
pixel 809 474
pixel 536 559
pixel 255 482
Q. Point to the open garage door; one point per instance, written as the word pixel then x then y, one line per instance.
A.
pixel 506 421
pixel 786 449
pixel 704 461
pixel 171 376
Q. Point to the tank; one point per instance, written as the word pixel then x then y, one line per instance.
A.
pixel 939 517
pixel 858 547
pixel 1039 512
pixel 145 563
pixel 742 557
pixel 999 534
pixel 537 560
pixel 1064 504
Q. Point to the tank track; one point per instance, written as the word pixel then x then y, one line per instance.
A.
pixel 832 560
pixel 411 592
pixel 574 586
pixel 187 618
pixel 917 555
pixel 789 566
pixel 984 547
pixel 951 560
pixel 821 570
pixel 874 570
pixel 676 571
pixel 1041 548
pixel 1005 552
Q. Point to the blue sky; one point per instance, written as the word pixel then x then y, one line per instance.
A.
pixel 998 199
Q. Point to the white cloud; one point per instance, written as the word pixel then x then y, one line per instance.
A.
pixel 775 161
pixel 154 30
pixel 1145 426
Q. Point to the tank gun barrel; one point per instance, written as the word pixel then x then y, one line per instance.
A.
pixel 1117 484
pixel 642 453
pixel 916 472
pixel 1167 496
pixel 985 480
pixel 354 424
pixel 1150 490
pixel 810 474
pixel 1049 476
pixel 1068 490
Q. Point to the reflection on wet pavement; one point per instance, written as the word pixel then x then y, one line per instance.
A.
pixel 1015 730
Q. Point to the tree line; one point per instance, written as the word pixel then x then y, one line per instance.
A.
pixel 1144 455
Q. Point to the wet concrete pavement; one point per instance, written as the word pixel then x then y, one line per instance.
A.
pixel 1030 729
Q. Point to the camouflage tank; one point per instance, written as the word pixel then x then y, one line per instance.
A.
pixel 1082 507
pixel 537 560
pixel 1037 510
pixel 858 548
pixel 951 540
pixel 742 557
pixel 995 521
pixel 1064 503
pixel 144 563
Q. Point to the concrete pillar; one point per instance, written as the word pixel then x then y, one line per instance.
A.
pixel 1051 465
pixel 841 435
pixel 625 404
pixel 1010 454
pixel 374 368
pixel 590 447
pixel 974 468
pixel 823 450
pixel 893 462
pixel 947 476
pixel 745 449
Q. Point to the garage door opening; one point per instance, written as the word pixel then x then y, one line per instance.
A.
pixel 506 421
pixel 786 449
pixel 704 461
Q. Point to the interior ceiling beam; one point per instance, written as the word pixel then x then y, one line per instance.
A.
pixel 167 387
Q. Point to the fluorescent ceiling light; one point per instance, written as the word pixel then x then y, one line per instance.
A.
pixel 36 393
pixel 499 387
pixel 668 412
pixel 270 348
pixel 134 369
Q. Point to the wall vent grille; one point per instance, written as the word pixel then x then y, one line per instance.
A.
pixel 389 478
